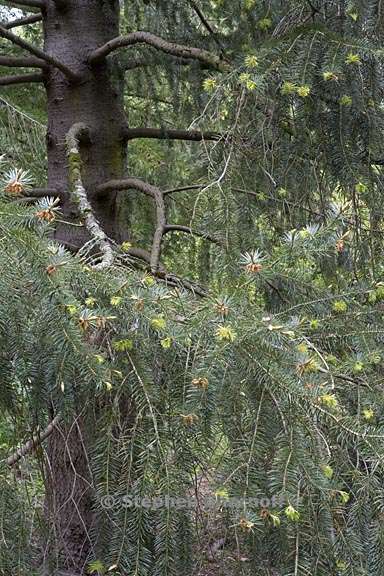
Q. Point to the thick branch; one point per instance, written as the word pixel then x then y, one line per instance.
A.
pixel 31 444
pixel 77 132
pixel 21 79
pixel 23 21
pixel 188 230
pixel 4 33
pixel 157 196
pixel 165 134
pixel 160 44
pixel 126 184
pixel 16 62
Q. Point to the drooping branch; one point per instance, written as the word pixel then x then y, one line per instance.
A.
pixel 27 62
pixel 126 184
pixel 159 43
pixel 179 282
pixel 165 276
pixel 23 21
pixel 161 228
pixel 188 230
pixel 152 258
pixel 157 195
pixel 166 134
pixel 37 440
pixel 4 33
pixel 21 79
pixel 75 134
pixel 205 22
pixel 184 188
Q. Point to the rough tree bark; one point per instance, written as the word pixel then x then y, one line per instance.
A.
pixel 82 88
pixel 70 35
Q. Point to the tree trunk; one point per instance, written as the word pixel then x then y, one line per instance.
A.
pixel 70 35
pixel 69 502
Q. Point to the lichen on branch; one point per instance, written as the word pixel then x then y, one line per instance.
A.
pixel 79 194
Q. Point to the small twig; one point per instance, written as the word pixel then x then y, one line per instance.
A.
pixel 205 23
pixel 183 188
pixel 188 230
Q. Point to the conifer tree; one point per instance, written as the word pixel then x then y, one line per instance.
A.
pixel 261 366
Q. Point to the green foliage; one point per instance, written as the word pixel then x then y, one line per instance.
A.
pixel 272 384
pixel 282 390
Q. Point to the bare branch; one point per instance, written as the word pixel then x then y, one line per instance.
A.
pixel 126 184
pixel 73 137
pixel 167 277
pixel 183 188
pixel 162 227
pixel 159 231
pixel 21 79
pixel 179 282
pixel 178 50
pixel 16 62
pixel 157 195
pixel 41 192
pixel 140 254
pixel 37 440
pixel 4 33
pixel 205 23
pixel 165 134
pixel 23 21
pixel 188 230
pixel 29 3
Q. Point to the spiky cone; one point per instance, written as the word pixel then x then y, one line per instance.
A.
pixel 47 215
pixel 253 267
pixel 200 383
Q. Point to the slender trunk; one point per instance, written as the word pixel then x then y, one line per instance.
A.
pixel 70 35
